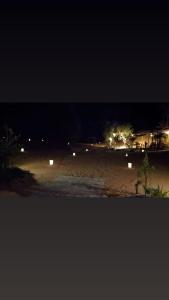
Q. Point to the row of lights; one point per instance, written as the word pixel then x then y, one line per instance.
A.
pixel 29 140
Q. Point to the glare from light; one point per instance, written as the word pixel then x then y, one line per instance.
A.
pixel 121 147
pixel 74 154
pixel 29 140
pixel 51 162
pixel 130 165
pixel 142 150
pixel 166 131
pixel 22 149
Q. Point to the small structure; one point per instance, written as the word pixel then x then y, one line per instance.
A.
pixel 51 162
pixel 129 165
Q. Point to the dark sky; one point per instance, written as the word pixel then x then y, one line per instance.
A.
pixel 77 120
pixel 89 51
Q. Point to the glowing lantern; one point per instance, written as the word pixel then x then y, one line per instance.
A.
pixel 130 165
pixel 22 149
pixel 51 162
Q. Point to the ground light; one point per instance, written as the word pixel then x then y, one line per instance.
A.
pixel 51 162
pixel 129 165
pixel 22 149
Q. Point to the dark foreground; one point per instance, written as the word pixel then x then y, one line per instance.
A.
pixel 84 248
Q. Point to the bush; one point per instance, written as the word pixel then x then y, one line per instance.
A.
pixel 145 171
pixel 9 147
pixel 155 192
pixel 17 180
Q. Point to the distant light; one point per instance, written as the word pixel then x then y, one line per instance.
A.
pixel 74 154
pixel 51 162
pixel 22 149
pixel 68 143
pixel 130 165
pixel 126 154
pixel 142 150
pixel 87 150
pixel 42 140
pixel 29 140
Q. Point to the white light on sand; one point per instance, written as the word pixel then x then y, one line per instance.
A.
pixel 130 165
pixel 74 154
pixel 22 149
pixel 126 154
pixel 51 162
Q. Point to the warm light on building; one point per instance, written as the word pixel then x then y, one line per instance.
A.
pixel 166 131
pixel 51 162
pixel 120 147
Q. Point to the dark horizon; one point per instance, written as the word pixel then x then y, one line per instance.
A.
pixel 79 121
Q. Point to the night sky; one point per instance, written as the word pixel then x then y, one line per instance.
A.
pixel 80 121
pixel 84 52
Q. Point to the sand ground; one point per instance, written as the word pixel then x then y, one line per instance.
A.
pixel 94 173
